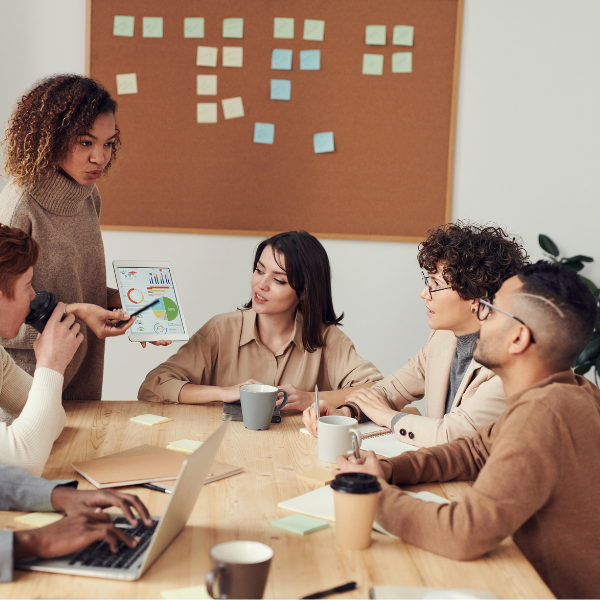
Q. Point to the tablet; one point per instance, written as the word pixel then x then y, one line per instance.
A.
pixel 142 282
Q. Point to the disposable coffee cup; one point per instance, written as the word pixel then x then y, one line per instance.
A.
pixel 355 498
pixel 258 403
pixel 337 436
pixel 240 570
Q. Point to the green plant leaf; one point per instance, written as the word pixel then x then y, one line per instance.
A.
pixel 579 258
pixel 589 283
pixel 582 369
pixel 548 245
pixel 591 351
pixel 576 266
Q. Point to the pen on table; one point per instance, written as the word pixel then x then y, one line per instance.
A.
pixel 157 488
pixel 347 587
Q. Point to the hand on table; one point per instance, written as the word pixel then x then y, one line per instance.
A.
pixel 369 464
pixel 100 321
pixel 297 399
pixel 373 405
pixel 309 416
pixel 73 502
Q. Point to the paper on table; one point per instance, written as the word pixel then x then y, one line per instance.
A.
pixel 206 85
pixel 300 524
pixel 150 419
pixel 152 27
pixel 281 59
pixel 281 89
pixel 314 30
pixel 123 26
pixel 127 84
pixel 188 446
pixel 385 592
pixel 386 445
pixel 233 28
pixel 233 56
pixel 403 35
pixel 197 592
pixel 375 35
pixel 233 108
pixel 402 62
pixel 283 28
pixel 206 56
pixel 372 64
pixel 193 27
pixel 368 429
pixel 310 60
pixel 39 519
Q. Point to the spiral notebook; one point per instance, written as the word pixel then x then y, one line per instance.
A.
pixel 367 430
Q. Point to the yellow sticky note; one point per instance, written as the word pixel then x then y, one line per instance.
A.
pixel 233 108
pixel 127 84
pixel 206 112
pixel 206 85
pixel 314 30
pixel 150 419
pixel 39 519
pixel 197 592
pixel 188 446
pixel 233 56
pixel 206 56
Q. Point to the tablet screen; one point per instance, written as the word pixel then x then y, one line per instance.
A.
pixel 142 285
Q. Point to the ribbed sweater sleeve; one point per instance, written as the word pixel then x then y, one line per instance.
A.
pixel 27 442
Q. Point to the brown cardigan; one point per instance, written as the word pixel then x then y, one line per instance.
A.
pixel 537 472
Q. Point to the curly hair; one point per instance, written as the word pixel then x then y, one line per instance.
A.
pixel 475 259
pixel 18 252
pixel 46 123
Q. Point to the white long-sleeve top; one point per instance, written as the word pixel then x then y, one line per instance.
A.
pixel 36 402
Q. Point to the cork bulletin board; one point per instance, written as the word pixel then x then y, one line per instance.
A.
pixel 388 174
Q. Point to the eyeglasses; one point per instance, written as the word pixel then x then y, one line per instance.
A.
pixel 426 280
pixel 486 306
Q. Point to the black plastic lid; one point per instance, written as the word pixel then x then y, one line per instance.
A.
pixel 356 483
pixel 42 304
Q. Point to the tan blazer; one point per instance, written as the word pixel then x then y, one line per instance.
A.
pixel 479 400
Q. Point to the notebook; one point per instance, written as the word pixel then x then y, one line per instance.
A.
pixel 367 430
pixel 386 445
pixel 386 592
pixel 233 411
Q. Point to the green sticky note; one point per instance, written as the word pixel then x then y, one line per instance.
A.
pixel 283 28
pixel 123 26
pixel 233 28
pixel 372 64
pixel 197 592
pixel 314 30
pixel 375 35
pixel 193 27
pixel 152 27
pixel 300 524
pixel 404 35
pixel 402 62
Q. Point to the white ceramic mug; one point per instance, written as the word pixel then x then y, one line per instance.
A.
pixel 336 435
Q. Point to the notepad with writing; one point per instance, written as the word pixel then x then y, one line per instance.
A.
pixel 367 430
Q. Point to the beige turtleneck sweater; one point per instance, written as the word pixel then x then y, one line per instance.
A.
pixel 62 216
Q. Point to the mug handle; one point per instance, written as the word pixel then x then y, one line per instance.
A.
pixel 356 438
pixel 285 398
pixel 213 577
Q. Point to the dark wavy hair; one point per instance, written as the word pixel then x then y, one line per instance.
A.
pixel 475 259
pixel 46 123
pixel 309 275
pixel 18 252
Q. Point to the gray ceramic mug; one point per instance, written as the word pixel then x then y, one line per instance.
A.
pixel 258 403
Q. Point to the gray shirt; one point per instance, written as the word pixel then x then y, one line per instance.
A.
pixel 465 346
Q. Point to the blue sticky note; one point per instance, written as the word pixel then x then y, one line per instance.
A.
pixel 310 60
pixel 264 133
pixel 323 142
pixel 281 60
pixel 281 89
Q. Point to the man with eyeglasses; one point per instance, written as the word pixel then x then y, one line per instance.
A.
pixel 537 469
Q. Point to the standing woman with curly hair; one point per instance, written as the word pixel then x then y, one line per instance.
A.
pixel 61 139
pixel 461 263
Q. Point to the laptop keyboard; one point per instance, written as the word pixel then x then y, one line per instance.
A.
pixel 99 554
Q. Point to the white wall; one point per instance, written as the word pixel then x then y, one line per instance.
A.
pixel 527 158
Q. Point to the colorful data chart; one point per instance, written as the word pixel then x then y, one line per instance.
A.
pixel 165 310
pixel 135 296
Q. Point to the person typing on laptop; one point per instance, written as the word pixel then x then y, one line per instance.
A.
pixel 83 524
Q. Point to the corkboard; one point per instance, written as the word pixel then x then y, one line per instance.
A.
pixel 390 177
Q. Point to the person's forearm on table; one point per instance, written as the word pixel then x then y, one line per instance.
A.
pixel 338 397
pixel 201 394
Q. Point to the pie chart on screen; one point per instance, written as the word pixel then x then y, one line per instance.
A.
pixel 135 296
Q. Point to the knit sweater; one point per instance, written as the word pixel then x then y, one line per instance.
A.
pixel 36 403
pixel 62 216
pixel 537 479
pixel 465 346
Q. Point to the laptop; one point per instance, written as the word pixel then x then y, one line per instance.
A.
pixel 129 564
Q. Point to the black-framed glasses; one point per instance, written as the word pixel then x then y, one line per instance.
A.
pixel 426 280
pixel 486 306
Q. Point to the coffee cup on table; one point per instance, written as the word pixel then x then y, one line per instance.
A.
pixel 337 435
pixel 355 498
pixel 239 569
pixel 258 403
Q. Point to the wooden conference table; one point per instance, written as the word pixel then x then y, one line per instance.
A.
pixel 243 506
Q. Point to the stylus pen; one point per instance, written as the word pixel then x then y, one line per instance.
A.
pixel 137 312
pixel 347 587
pixel 157 488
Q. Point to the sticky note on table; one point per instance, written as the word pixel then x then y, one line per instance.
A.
pixel 404 35
pixel 316 476
pixel 150 419
pixel 314 30
pixel 372 64
pixel 127 84
pixel 310 60
pixel 233 56
pixel 206 56
pixel 375 35
pixel 283 28
pixel 281 89
pixel 39 519
pixel 281 60
pixel 264 133
pixel 197 592
pixel 206 85
pixel 323 142
pixel 188 446
pixel 152 27
pixel 193 27
pixel 233 28
pixel 233 108
pixel 402 62
pixel 300 524
pixel 123 25
pixel 206 112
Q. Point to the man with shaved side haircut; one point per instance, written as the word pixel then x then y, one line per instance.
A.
pixel 537 469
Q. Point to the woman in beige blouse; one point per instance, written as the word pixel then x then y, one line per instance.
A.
pixel 286 336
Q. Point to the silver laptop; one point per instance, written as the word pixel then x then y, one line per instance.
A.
pixel 130 564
